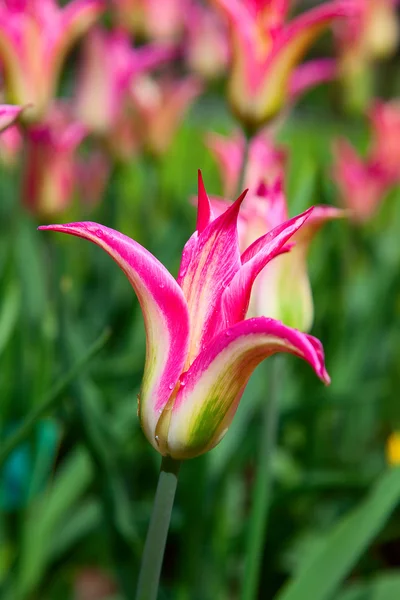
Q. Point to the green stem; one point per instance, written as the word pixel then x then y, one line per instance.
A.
pixel 263 487
pixel 153 553
pixel 51 400
pixel 243 168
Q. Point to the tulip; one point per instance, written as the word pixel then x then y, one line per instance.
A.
pixel 49 173
pixel 35 36
pixel 265 162
pixel 162 21
pixel 109 66
pixel 385 150
pixel 160 107
pixel 266 51
pixel 362 185
pixel 201 350
pixel 206 43
pixel 371 34
pixel 282 291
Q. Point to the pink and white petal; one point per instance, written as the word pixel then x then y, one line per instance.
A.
pixel 210 261
pixel 77 17
pixel 8 115
pixel 236 297
pixel 164 310
pixel 211 389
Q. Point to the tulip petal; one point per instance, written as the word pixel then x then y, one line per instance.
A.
pixel 209 262
pixel 8 115
pixel 236 297
pixel 310 74
pixel 204 211
pixel 211 389
pixel 164 310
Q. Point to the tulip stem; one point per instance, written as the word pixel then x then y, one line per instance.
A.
pixel 243 168
pixel 262 492
pixel 153 553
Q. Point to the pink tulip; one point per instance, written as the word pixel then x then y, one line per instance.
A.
pixel 363 184
pixel 265 162
pixel 206 42
pixel 266 51
pixel 160 107
pixel 35 36
pixel 200 349
pixel 385 150
pixel 109 66
pixel 49 174
pixel 282 291
pixel 154 19
pixel 372 33
pixel 10 137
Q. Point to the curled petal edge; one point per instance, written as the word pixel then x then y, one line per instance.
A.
pixel 211 389
pixel 164 310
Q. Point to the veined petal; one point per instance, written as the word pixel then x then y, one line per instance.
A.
pixel 211 389
pixel 204 211
pixel 236 297
pixel 8 115
pixel 209 262
pixel 164 310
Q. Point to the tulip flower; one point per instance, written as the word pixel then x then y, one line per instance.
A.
pixel 201 350
pixel 109 66
pixel 282 291
pixel 206 42
pixel 266 52
pixel 371 34
pixel 49 173
pixel 162 21
pixel 364 183
pixel 265 161
pixel 160 106
pixel 35 36
pixel 385 149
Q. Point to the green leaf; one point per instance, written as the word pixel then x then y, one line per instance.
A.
pixel 383 587
pixel 9 312
pixel 321 573
pixel 46 516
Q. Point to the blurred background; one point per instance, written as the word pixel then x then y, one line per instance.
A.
pixel 118 100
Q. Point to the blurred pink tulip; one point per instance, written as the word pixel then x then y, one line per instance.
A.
pixel 364 183
pixel 201 350
pixel 10 137
pixel 153 19
pixel 92 175
pixel 35 36
pixel 109 66
pixel 266 51
pixel 282 291
pixel 372 33
pixel 206 43
pixel 49 174
pixel 265 162
pixel 160 106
